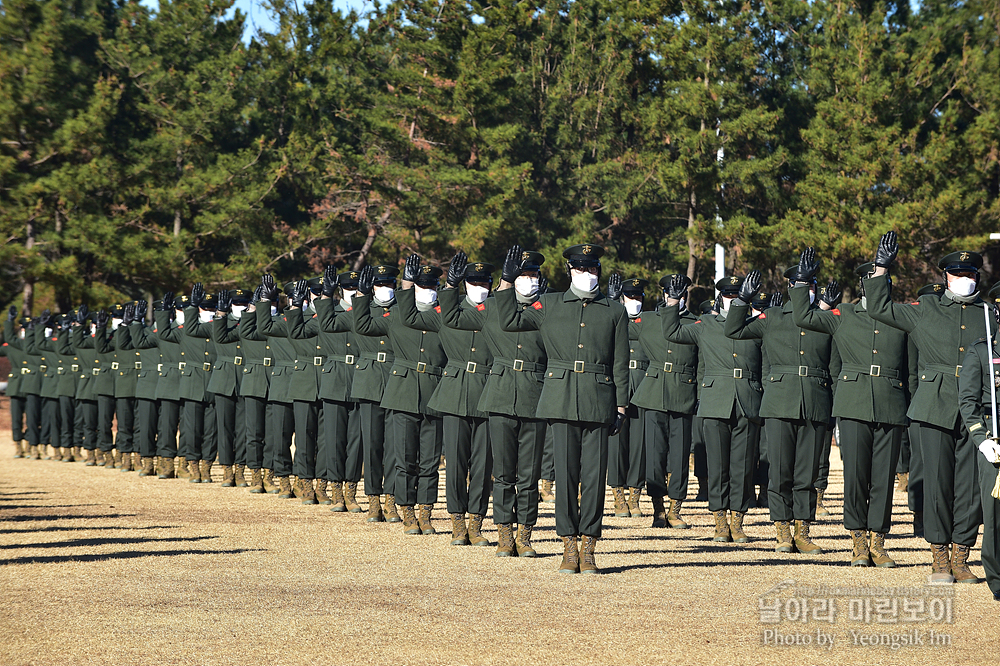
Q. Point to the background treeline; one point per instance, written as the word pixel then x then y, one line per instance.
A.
pixel 141 151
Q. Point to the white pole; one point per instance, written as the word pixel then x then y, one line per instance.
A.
pixel 720 262
pixel 991 379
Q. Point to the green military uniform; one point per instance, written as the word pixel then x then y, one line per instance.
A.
pixel 254 384
pixel 15 356
pixel 82 340
pixel 48 365
pixel 142 340
pixel 870 403
pixel 198 428
pixel 586 381
pixel 227 373
pixel 104 388
pixel 31 380
pixel 126 375
pixel 166 335
pixel 68 373
pixel 280 360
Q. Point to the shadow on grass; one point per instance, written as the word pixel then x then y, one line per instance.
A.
pixel 79 543
pixel 57 528
pixel 44 506
pixel 124 555
pixel 32 519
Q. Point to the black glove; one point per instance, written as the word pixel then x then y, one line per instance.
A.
pixel 750 286
pixel 456 269
pixel 299 293
pixel 366 280
pixel 101 319
pixel 128 312
pixel 832 294
pixel 197 294
pixel 167 302
pixel 140 310
pixel 887 250
pixel 81 314
pixel 411 269
pixel 807 266
pixel 329 281
pixel 12 313
pixel 776 300
pixel 224 301
pixel 615 286
pixel 543 285
pixel 616 427
pixel 677 287
pixel 45 318
pixel 512 265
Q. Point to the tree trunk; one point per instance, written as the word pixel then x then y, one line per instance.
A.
pixel 692 203
pixel 28 293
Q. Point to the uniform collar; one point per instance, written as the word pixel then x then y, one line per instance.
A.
pixel 601 298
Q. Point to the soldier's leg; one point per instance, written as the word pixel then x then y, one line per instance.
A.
pixel 105 419
pixel 125 411
pixel 32 418
pixel 990 555
pixel 718 435
pixel 240 446
pixel 88 412
pixel 334 435
pixel 377 468
pixel 284 427
pixel 567 440
pixel 147 421
pixel 406 436
pixel 700 457
pixel 593 477
pixel 823 469
pixel 256 421
pixel 968 505
pixel 306 415
pixel 67 421
pixel 781 452
pixel 504 431
pixel 480 467
pixel 885 455
pixel 809 441
pixel 655 436
pixel 678 454
pixel 548 457
pixel 210 439
pixel 192 429
pixel 270 438
pixel 903 465
pixel 857 442
pixel 429 459
pixel 530 441
pixel 166 439
pixel 636 477
pixel 17 418
pixel 743 457
pixel 618 456
pixel 326 443
pixel 225 415
pixel 915 484
pixel 938 450
pixel 51 424
pixel 354 460
pixel 457 433
pixel 79 434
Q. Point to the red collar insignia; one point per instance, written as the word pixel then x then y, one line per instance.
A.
pixel 480 307
pixel 437 308
pixel 537 305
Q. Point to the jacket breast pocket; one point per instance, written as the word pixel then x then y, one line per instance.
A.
pixel 399 372
pixel 363 364
pixel 774 378
pixel 707 383
pixel 653 372
pixel 849 376
pixel 556 373
pixel 277 372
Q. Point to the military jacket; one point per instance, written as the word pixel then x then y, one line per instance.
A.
pixel 256 379
pixel 105 347
pixel 469 360
pixel 871 385
pixel 125 364
pixel 310 356
pixel 375 359
pixel 669 382
pixel 730 369
pixel 12 349
pixel 943 331
pixel 31 375
pixel 167 336
pixel 514 383
pixel 228 368
pixel 333 327
pixel 281 356
pixel 148 368
pixel 586 342
pixel 69 364
pixel 83 345
pixel 419 356
pixel 974 397
pixel 48 361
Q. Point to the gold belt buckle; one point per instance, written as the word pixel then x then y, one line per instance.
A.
pixel 138 365
pixel 268 362
pixel 181 365
pixel 803 371
pixel 380 357
pixel 737 373
pixel 206 367
pixel 60 371
pixel 519 364
pixel 317 360
pixel 578 366
pixel 237 360
pixel 95 371
pixel 958 369
pixel 159 367
pixel 43 368
pixel 421 366
pixel 75 367
pixel 632 365
pixel 668 367
pixel 875 371
pixel 349 359
pixel 114 365
pixel 470 367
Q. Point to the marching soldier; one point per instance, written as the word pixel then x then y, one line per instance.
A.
pixel 585 391
pixel 728 404
pixel 227 373
pixel 870 403
pixel 943 330
pixel 147 407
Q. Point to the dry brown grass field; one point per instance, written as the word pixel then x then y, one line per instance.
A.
pixel 103 567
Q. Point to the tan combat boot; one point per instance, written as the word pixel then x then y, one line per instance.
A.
pixel 505 540
pixel 297 490
pixel 147 467
pixel 409 520
pixel 338 498
pixel 205 468
pixel 523 542
pixel 350 497
pixel 879 556
pixel 91 458
pixel 116 457
pixel 803 543
pixel 476 537
pixel 18 451
pixel 270 486
pixel 194 471
pixel 633 502
pixel 621 506
pixel 659 512
pixel 722 534
pixel 228 478
pixel 424 520
pixel 674 519
pixel 821 511
pixel 33 453
pixel 861 555
pixel 77 453
pixel 903 482
pixel 321 496
pixel 285 488
pixel 736 527
pixel 126 465
pixel 391 515
pixel 67 454
pixel 257 482
pixel 109 460
pixel 459 530
pixel 239 476
pixel 375 509
pixel 182 468
pixel 960 565
pixel 588 564
pixel 784 535
pixel 941 564
pixel 545 492
pixel 308 495
pixel 166 468
pixel 571 556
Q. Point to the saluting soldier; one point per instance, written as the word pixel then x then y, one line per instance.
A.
pixel 420 360
pixel 143 341
pixel 104 386
pixel 371 374
pixel 227 373
pixel 668 394
pixel 126 375
pixel 198 429
pixel 49 364
pixel 944 330
pixel 585 391
pixel 729 401
pixel 13 348
pixel 61 348
pixel 510 397
pixel 254 387
pixel 870 403
pixel 977 394
pixel 763 301
pixel 83 344
pixel 165 335
pixel 464 426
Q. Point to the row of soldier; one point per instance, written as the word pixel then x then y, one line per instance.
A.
pixel 371 378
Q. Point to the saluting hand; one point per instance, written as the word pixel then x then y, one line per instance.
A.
pixel 750 286
pixel 456 269
pixel 366 280
pixel 887 250
pixel 512 265
pixel 411 269
pixel 615 286
pixel 330 280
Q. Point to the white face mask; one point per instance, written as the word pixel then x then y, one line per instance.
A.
pixel 384 294
pixel 180 317
pixel 812 296
pixel 476 293
pixel 425 295
pixel 238 310
pixel 205 317
pixel 348 296
pixel 681 304
pixel 274 310
pixel 725 304
pixel 20 333
pixel 632 306
pixel 584 281
pixel 115 323
pixel 526 285
pixel 48 332
pixel 962 286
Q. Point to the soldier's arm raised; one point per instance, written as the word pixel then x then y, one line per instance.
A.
pixel 739 327
pixel 414 318
pixel 621 371
pixel 526 319
pixel 881 308
pixel 223 333
pixel 670 323
pixel 456 316
pixel 364 322
pixel 813 319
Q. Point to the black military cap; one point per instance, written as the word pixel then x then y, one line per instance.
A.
pixel 933 289
pixel 209 302
pixel 961 261
pixel 865 269
pixel 761 301
pixel 384 273
pixel 182 301
pixel 157 304
pixel 634 286
pixel 241 296
pixel 729 285
pixel 316 285
pixel 116 310
pixel 348 280
pixel 708 307
pixel 24 321
pixel 665 280
pixel 792 272
pixel 584 256
pixel 531 261
pixel 479 272
pixel 428 276
pixel 289 288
